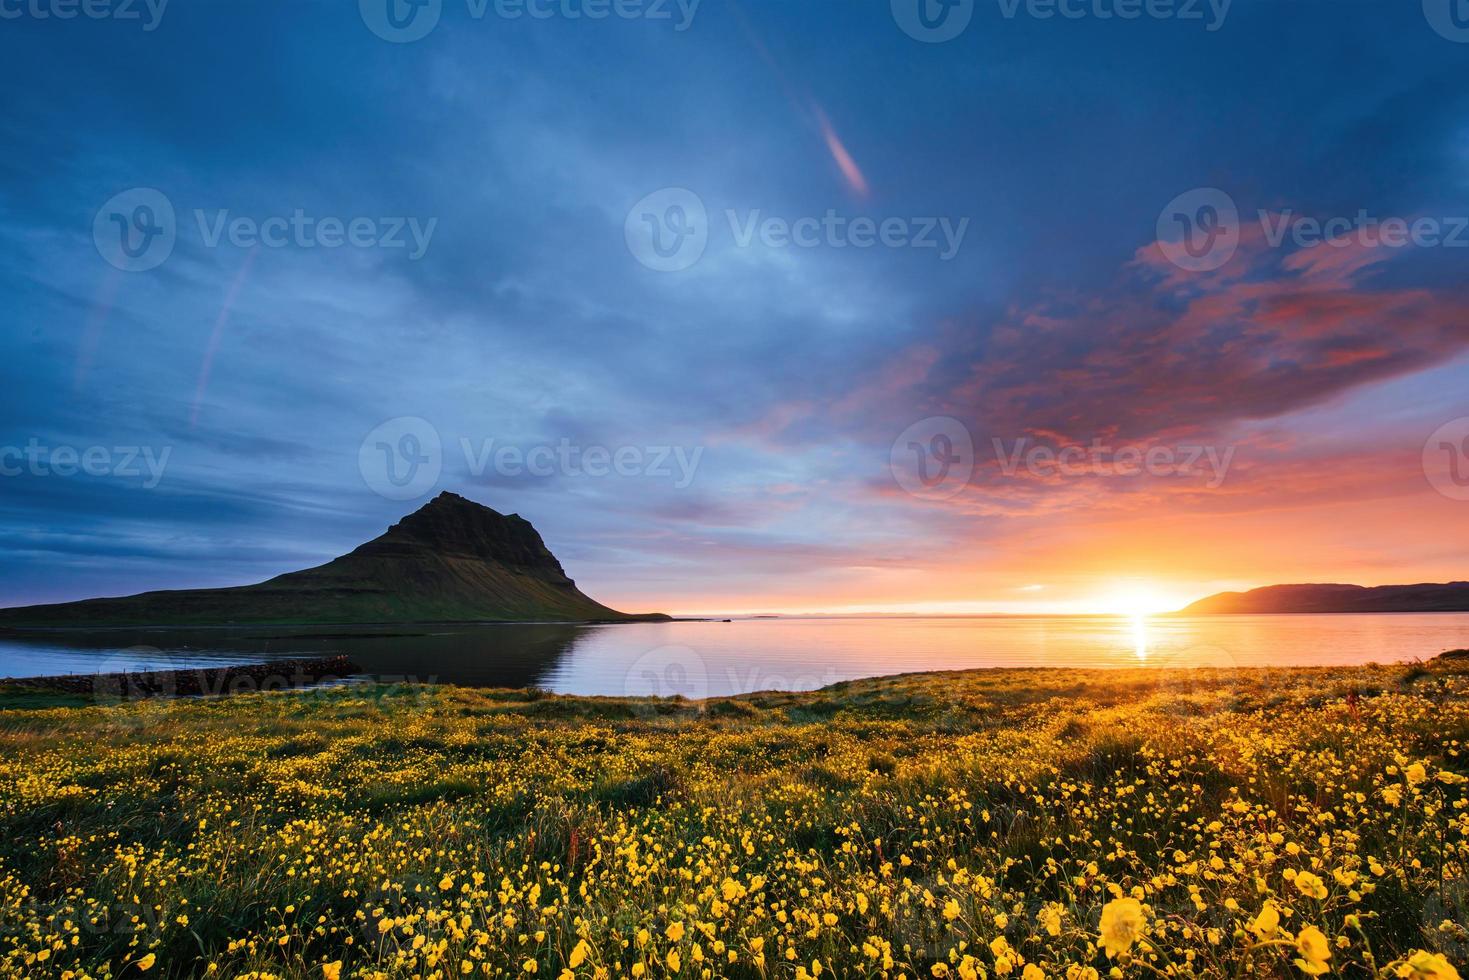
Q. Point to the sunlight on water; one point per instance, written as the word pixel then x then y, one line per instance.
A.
pixel 1140 637
pixel 711 659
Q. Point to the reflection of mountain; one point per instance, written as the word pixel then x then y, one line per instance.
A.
pixel 452 560
pixel 488 656
pixel 509 655
pixel 1450 597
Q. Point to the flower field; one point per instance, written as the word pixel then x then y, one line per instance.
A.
pixel 1018 824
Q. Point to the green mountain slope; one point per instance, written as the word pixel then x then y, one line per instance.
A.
pixel 1428 597
pixel 451 560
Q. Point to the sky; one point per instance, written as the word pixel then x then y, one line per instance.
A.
pixel 994 306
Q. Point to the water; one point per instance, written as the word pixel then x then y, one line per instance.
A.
pixel 703 659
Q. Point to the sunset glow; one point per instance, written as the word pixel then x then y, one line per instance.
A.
pixel 935 348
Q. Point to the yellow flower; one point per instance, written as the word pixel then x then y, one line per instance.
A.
pixel 1314 949
pixel 1267 922
pixel 332 971
pixel 1310 885
pixel 1423 965
pixel 445 883
pixel 578 955
pixel 1032 972
pixel 1415 774
pixel 675 931
pixel 529 966
pixel 951 910
pixel 146 963
pixel 673 961
pixel 1122 925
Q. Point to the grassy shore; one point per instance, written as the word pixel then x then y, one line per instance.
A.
pixel 991 823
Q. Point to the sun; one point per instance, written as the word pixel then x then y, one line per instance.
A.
pixel 1137 601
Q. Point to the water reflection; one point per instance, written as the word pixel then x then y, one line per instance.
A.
pixel 1140 638
pixel 716 659
pixel 512 655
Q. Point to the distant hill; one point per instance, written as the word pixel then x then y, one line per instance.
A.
pixel 452 560
pixel 1447 597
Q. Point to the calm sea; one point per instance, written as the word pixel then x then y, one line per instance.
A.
pixel 700 659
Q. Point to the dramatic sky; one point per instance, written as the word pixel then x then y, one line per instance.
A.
pixel 599 327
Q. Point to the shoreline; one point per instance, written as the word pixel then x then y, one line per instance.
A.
pixel 274 675
pixel 305 672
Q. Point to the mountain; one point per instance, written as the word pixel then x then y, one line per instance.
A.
pixel 1448 597
pixel 452 560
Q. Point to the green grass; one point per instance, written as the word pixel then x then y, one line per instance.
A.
pixel 926 825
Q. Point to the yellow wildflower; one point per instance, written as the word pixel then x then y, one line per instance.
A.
pixel 1314 949
pixel 1310 885
pixel 1423 965
pixel 1122 925
pixel 1267 923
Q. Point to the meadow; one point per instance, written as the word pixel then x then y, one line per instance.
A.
pixel 1023 824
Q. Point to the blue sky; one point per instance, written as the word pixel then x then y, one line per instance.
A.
pixel 254 371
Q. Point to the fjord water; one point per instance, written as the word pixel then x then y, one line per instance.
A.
pixel 702 659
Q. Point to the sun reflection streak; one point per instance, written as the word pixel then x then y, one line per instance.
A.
pixel 1140 636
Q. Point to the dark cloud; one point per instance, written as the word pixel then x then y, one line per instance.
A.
pixel 528 321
